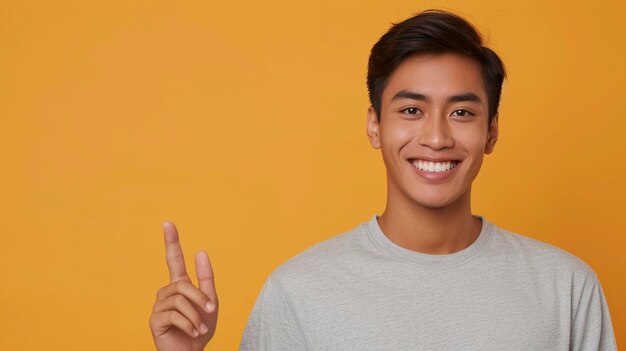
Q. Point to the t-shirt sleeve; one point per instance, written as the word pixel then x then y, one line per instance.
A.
pixel 591 324
pixel 272 325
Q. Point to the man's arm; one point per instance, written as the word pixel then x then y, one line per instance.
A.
pixel 591 323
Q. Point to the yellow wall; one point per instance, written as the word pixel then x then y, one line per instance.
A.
pixel 244 123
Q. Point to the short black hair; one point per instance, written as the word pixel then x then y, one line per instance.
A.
pixel 432 32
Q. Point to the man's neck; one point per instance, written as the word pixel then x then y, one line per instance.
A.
pixel 435 231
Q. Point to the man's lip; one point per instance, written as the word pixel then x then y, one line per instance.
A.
pixel 434 159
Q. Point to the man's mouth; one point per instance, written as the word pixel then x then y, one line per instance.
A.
pixel 436 167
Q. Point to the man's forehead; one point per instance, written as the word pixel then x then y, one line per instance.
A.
pixel 436 76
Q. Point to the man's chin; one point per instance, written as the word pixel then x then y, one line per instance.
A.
pixel 437 201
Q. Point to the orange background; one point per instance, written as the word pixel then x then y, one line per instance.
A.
pixel 244 123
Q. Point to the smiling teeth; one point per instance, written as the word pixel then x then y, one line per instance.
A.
pixel 434 166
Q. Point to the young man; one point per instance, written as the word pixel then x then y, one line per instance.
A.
pixel 427 274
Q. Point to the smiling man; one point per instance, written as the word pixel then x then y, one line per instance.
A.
pixel 435 125
pixel 427 274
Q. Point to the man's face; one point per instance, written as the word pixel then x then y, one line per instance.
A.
pixel 433 131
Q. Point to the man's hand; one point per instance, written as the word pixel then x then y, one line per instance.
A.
pixel 184 317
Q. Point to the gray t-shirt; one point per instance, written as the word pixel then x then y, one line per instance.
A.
pixel 361 291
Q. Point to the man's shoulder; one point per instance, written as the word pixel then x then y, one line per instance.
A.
pixel 319 260
pixel 541 254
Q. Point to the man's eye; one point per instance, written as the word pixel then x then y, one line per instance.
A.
pixel 411 110
pixel 462 113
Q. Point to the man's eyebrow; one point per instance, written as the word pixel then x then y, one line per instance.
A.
pixel 406 94
pixel 410 95
pixel 465 97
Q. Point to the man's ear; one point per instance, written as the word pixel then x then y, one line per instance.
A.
pixel 492 135
pixel 373 128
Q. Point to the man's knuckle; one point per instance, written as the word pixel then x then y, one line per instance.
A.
pixel 172 316
pixel 160 293
pixel 180 284
pixel 154 321
pixel 176 259
pixel 182 299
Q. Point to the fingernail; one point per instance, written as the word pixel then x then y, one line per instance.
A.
pixel 203 328
pixel 195 333
pixel 209 307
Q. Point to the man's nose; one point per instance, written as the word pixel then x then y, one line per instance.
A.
pixel 435 133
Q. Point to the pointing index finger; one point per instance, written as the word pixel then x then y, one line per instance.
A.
pixel 174 253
